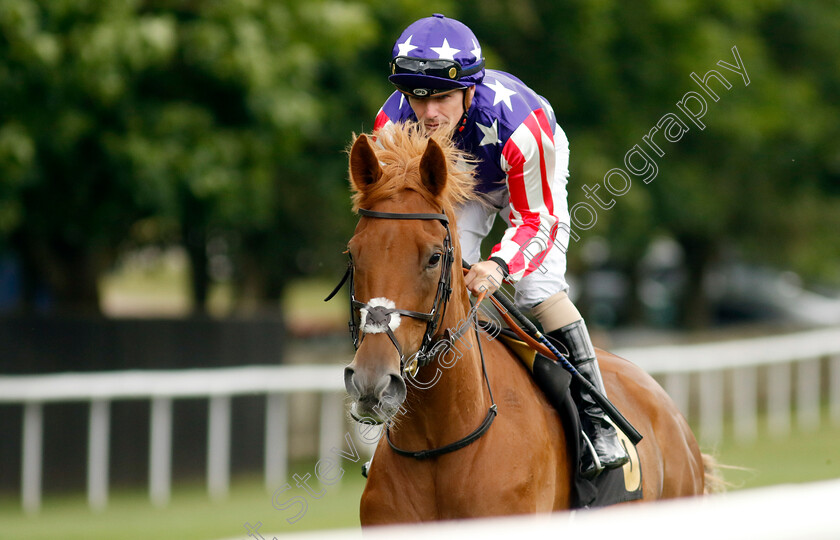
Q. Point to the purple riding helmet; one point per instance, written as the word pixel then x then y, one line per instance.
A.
pixel 436 55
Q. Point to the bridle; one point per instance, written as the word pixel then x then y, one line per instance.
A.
pixel 381 315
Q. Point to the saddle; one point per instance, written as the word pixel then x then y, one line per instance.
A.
pixel 611 486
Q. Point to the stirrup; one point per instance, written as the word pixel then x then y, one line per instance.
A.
pixel 590 448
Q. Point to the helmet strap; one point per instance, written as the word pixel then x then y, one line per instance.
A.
pixel 462 123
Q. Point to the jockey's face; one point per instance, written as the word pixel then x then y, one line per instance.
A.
pixel 442 109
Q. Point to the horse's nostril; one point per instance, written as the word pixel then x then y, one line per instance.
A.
pixel 350 383
pixel 374 393
pixel 394 391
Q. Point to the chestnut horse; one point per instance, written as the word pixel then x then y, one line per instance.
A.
pixel 518 465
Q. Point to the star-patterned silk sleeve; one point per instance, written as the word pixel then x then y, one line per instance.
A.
pixel 510 130
pixel 528 158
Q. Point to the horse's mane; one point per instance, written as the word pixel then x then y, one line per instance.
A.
pixel 399 148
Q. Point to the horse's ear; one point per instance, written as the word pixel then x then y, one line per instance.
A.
pixel 364 167
pixel 433 171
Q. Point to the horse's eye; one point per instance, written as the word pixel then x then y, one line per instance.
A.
pixel 434 260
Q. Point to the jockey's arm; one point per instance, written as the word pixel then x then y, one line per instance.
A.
pixel 529 164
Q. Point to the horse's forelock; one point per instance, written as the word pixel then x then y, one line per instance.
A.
pixel 399 149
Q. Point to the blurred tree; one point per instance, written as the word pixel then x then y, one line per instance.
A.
pixel 761 177
pixel 219 125
pixel 222 126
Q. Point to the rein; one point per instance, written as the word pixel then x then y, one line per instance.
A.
pixel 472 437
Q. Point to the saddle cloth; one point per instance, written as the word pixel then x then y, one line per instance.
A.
pixel 611 486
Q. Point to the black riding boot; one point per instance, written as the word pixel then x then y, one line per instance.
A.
pixel 609 452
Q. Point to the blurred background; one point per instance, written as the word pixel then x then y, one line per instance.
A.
pixel 173 193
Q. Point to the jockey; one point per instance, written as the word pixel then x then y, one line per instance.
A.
pixel 522 170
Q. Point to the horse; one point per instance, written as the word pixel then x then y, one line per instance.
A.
pixel 505 447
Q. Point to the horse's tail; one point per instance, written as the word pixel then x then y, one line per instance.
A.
pixel 713 481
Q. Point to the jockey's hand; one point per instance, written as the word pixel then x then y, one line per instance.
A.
pixel 484 275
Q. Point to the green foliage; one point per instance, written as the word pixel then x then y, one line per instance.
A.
pixel 762 177
pixel 136 122
pixel 225 124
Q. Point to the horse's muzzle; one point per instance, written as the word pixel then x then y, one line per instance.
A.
pixel 376 396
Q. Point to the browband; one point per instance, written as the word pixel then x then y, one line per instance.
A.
pixel 389 215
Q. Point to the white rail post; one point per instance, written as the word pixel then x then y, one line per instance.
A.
pixel 32 454
pixel 711 406
pixel 99 440
pixel 834 389
pixel 160 451
pixel 678 387
pixel 332 423
pixel 745 403
pixel 778 399
pixel 218 447
pixel 808 394
pixel 276 441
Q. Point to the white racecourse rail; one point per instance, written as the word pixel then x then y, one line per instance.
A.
pixel 676 366
pixel 787 512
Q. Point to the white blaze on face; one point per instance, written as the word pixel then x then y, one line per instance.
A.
pixel 373 328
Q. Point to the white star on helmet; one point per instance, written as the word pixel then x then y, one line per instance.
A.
pixel 445 51
pixel 476 51
pixel 406 47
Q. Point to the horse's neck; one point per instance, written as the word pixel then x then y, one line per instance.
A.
pixel 452 398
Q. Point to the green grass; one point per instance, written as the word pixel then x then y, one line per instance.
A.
pixel 803 457
pixel 190 514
